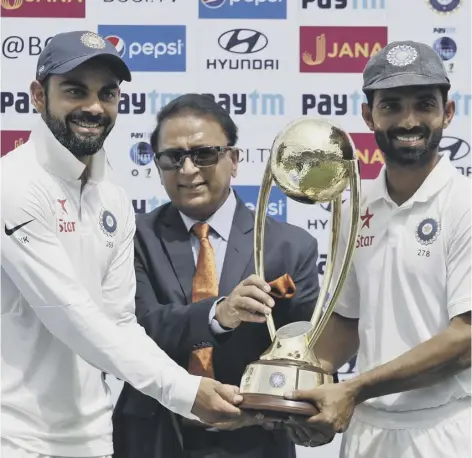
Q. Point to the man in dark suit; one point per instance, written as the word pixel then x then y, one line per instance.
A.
pixel 196 294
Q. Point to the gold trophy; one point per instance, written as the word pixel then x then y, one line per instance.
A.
pixel 312 161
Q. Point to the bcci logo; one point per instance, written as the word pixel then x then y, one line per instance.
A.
pixel 108 223
pixel 445 6
pixel 277 380
pixel 427 231
pixel 402 55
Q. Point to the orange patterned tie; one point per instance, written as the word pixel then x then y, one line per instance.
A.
pixel 205 284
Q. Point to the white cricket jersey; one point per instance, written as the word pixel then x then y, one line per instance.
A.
pixel 68 289
pixel 410 275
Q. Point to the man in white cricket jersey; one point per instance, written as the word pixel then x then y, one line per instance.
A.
pixel 68 281
pixel 406 303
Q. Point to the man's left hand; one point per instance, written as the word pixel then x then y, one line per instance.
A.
pixel 335 403
pixel 248 419
pixel 302 433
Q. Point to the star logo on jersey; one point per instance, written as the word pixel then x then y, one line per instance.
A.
pixel 62 203
pixel 366 219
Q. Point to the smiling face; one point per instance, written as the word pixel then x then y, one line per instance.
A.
pixel 79 107
pixel 197 192
pixel 408 123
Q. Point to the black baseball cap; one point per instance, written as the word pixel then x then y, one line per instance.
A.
pixel 404 63
pixel 66 51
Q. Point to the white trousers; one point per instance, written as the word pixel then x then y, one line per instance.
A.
pixel 10 450
pixel 442 432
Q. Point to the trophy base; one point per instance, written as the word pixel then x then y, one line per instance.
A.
pixel 264 383
pixel 275 406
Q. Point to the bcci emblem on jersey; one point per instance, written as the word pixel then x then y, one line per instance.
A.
pixel 427 231
pixel 108 223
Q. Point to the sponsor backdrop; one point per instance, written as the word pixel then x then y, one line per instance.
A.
pixel 266 61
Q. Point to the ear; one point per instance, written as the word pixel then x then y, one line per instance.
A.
pixel 367 116
pixel 38 96
pixel 234 162
pixel 449 111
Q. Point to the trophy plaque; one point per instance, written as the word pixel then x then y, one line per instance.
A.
pixel 312 161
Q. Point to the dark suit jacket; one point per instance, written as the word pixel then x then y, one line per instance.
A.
pixel 164 272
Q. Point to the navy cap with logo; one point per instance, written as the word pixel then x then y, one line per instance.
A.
pixel 66 51
pixel 405 63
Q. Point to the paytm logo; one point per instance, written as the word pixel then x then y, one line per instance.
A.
pixel 343 4
pixel 252 103
pixel 242 9
pixel 277 207
pixel 149 48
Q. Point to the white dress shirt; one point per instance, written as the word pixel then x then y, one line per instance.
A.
pixel 67 302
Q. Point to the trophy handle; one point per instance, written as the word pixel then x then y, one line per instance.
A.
pixel 333 244
pixel 355 185
pixel 259 230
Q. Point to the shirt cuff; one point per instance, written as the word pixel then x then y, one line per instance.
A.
pixel 212 321
pixel 184 392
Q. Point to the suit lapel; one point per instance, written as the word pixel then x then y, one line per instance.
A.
pixel 239 250
pixel 176 240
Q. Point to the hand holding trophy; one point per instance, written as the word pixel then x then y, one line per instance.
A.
pixel 312 161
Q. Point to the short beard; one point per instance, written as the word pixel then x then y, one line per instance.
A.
pixel 78 146
pixel 407 156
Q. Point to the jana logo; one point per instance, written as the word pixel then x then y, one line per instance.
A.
pixel 277 206
pixel 339 49
pixel 118 43
pixel 149 48
pixel 242 9
pixel 43 8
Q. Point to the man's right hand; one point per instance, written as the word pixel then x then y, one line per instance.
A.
pixel 249 301
pixel 216 402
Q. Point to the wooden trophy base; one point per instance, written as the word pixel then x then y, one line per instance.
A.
pixel 276 407
pixel 264 383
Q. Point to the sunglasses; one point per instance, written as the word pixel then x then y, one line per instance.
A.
pixel 202 156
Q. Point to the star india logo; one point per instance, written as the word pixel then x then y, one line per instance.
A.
pixel 402 55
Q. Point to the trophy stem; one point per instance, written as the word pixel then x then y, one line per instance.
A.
pixel 355 185
pixel 259 231
pixel 333 244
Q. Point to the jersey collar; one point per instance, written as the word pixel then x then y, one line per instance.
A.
pixel 434 182
pixel 59 161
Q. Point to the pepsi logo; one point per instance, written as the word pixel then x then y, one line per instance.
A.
pixel 118 43
pixel 213 3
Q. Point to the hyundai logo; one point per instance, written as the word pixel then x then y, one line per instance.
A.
pixel 243 41
pixel 455 147
pixel 328 205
